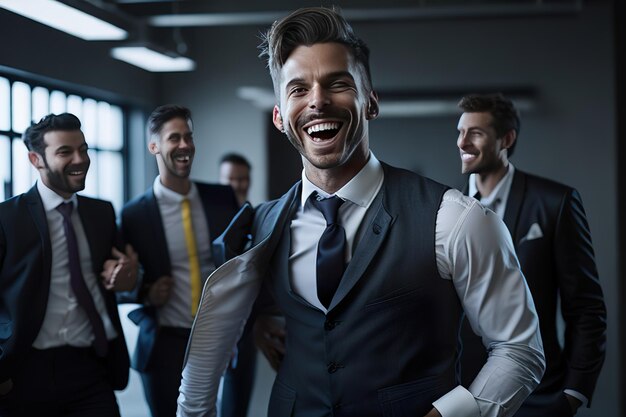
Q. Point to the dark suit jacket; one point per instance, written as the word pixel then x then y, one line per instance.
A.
pixel 142 227
pixel 553 243
pixel 25 263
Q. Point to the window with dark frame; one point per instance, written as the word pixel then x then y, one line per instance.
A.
pixel 23 101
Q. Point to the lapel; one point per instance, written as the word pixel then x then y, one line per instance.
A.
pixel 210 210
pixel 38 214
pixel 373 237
pixel 514 203
pixel 91 233
pixel 155 224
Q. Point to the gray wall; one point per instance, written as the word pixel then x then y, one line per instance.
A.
pixel 569 136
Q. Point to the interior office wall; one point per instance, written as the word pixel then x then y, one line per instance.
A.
pixel 568 136
pixel 38 51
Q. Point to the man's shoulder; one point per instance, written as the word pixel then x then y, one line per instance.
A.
pixel 94 203
pixel 545 186
pixel 208 187
pixel 136 202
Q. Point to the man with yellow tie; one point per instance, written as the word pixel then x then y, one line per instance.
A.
pixel 171 226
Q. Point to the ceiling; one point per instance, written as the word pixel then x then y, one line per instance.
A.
pixel 179 13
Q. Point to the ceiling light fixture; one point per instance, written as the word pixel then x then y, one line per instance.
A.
pixel 66 19
pixel 152 60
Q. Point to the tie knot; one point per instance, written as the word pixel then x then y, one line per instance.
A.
pixel 328 206
pixel 65 209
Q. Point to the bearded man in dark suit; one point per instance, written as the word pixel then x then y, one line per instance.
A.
pixel 62 350
pixel 553 243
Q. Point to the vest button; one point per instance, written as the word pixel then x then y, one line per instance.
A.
pixel 329 325
pixel 333 367
pixel 377 229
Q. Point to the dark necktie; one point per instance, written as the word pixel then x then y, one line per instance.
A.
pixel 77 282
pixel 331 249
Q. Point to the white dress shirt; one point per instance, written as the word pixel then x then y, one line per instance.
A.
pixel 474 250
pixel 65 322
pixel 176 311
pixel 500 194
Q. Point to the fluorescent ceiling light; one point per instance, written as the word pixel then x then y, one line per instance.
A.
pixel 65 18
pixel 151 60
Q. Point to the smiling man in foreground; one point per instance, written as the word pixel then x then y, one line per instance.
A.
pixel 371 265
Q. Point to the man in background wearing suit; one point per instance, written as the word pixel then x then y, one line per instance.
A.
pixel 371 265
pixel 235 171
pixel 62 350
pixel 171 226
pixel 553 243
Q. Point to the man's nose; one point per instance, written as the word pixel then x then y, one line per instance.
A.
pixel 319 98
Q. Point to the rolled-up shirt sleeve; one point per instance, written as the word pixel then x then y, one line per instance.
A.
pixel 475 251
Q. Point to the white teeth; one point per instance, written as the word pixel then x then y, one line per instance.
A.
pixel 183 158
pixel 76 172
pixel 322 126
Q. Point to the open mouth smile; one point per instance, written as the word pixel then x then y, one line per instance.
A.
pixel 323 131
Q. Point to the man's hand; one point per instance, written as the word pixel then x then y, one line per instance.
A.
pixel 160 291
pixel 269 336
pixel 433 413
pixel 120 273
pixel 574 403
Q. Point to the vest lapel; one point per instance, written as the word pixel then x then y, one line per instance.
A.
pixel 376 222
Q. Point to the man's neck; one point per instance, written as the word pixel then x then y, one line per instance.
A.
pixel 487 181
pixel 178 185
pixel 332 180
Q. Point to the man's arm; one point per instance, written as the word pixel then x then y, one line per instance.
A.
pixel 582 302
pixel 475 251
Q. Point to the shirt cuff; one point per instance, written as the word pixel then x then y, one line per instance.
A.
pixel 578 396
pixel 457 403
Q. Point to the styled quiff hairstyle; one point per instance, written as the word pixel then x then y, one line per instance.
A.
pixel 164 114
pixel 33 136
pixel 306 27
pixel 505 115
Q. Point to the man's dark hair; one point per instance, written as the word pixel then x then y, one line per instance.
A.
pixel 33 136
pixel 237 159
pixel 164 114
pixel 505 115
pixel 308 26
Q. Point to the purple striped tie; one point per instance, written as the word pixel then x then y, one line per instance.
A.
pixel 77 282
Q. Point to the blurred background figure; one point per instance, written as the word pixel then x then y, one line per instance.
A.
pixel 235 171
pixel 171 225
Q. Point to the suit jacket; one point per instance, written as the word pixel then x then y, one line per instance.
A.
pixel 25 264
pixel 553 243
pixel 367 318
pixel 142 227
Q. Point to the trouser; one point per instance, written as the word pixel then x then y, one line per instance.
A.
pixel 61 382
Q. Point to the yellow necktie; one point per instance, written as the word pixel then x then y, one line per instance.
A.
pixel 192 252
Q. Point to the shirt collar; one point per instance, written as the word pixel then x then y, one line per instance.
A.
pixel 162 193
pixel 360 190
pixel 51 199
pixel 501 192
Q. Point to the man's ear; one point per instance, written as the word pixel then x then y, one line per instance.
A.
pixel 36 160
pixel 372 106
pixel 509 139
pixel 153 147
pixel 277 119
